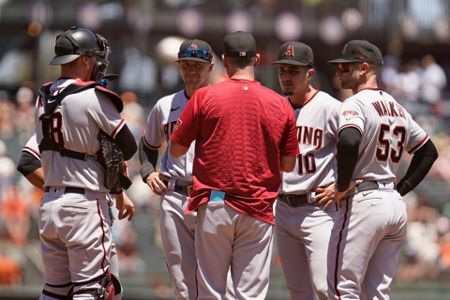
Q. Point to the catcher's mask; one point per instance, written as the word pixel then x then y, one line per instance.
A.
pixel 81 41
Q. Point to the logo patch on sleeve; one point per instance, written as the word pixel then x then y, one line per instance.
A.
pixel 349 114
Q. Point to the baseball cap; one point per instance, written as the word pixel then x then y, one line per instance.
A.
pixel 239 44
pixel 295 53
pixel 196 50
pixel 359 51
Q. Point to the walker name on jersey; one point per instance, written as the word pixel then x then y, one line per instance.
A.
pixel 310 136
pixel 388 108
pixel 168 129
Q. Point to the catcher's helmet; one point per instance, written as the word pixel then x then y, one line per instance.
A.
pixel 81 41
pixel 76 42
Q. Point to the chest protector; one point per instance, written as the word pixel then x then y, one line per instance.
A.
pixel 51 102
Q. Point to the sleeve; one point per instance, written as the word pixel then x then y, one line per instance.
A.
pixel 289 144
pixel 351 114
pixel 28 163
pixel 417 136
pixel 106 115
pixel 148 158
pixel 347 156
pixel 187 126
pixel 153 136
pixel 30 159
pixel 419 167
pixel 333 122
pixel 32 147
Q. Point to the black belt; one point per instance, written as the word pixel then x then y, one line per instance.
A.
pixel 67 190
pixel 181 187
pixel 294 200
pixel 366 186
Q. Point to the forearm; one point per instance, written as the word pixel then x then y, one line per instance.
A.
pixel 287 163
pixel 148 158
pixel 177 150
pixel 36 178
pixel 347 156
pixel 421 163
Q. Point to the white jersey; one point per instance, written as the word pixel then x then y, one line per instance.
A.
pixel 387 130
pixel 160 124
pixel 317 123
pixel 77 121
pixel 32 147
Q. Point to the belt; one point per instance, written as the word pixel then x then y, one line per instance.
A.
pixel 67 190
pixel 180 186
pixel 295 200
pixel 184 189
pixel 371 185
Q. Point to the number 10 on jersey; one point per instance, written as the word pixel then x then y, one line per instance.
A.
pixel 306 163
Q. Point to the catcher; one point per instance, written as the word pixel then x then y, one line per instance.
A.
pixel 71 113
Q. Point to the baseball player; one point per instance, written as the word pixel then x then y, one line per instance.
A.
pixel 30 167
pixel 173 181
pixel 374 131
pixel 245 135
pixel 303 222
pixel 73 216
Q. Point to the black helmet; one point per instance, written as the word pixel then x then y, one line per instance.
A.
pixel 76 42
pixel 81 41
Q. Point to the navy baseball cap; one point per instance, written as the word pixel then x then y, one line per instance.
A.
pixel 295 53
pixel 359 51
pixel 239 44
pixel 195 50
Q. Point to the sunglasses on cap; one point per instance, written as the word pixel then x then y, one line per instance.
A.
pixel 195 53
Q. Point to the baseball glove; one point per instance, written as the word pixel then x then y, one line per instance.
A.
pixel 111 158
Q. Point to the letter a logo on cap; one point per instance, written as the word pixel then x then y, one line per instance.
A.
pixel 345 49
pixel 290 51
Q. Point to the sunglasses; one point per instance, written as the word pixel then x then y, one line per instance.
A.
pixel 195 53
pixel 345 67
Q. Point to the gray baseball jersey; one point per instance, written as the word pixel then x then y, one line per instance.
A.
pixel 303 232
pixel 78 119
pixel 32 147
pixel 371 226
pixel 387 130
pixel 317 135
pixel 160 124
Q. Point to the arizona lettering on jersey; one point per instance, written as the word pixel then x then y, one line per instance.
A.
pixel 310 135
pixel 161 122
pixel 317 123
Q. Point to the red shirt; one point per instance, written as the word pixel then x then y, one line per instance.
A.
pixel 241 129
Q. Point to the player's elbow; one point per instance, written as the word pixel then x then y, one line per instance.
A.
pixel 287 163
pixel 177 150
pixel 126 142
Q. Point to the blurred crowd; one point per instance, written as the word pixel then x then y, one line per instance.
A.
pixel 420 85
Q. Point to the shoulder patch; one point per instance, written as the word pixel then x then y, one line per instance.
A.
pixel 349 114
pixel 116 100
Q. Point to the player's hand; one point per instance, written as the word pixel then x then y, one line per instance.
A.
pixel 157 184
pixel 125 206
pixel 325 195
pixel 342 195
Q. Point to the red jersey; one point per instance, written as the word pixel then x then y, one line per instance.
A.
pixel 241 130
